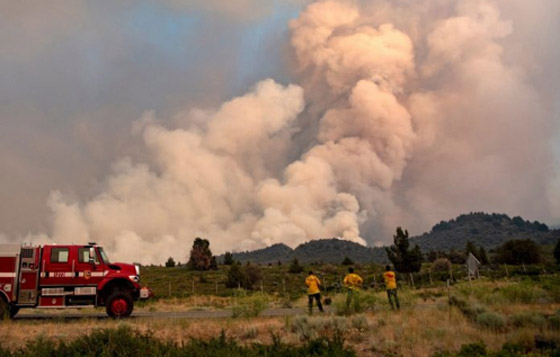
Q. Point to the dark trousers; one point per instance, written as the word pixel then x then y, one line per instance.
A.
pixel 317 297
pixel 392 295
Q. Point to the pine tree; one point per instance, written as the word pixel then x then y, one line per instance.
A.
pixel 405 260
pixel 170 263
pixel 518 251
pixel 482 257
pixel 347 261
pixel 295 267
pixel 471 248
pixel 201 255
pixel 228 258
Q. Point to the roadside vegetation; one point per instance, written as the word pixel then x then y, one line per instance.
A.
pixel 514 316
pixel 503 310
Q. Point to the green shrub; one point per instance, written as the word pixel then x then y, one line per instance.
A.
pixel 360 323
pixel 491 320
pixel 528 319
pixel 249 306
pixel 302 327
pixel 463 306
pixel 309 328
pixel 554 322
pixel 361 301
pixel 477 349
pixel 525 293
pixel 125 342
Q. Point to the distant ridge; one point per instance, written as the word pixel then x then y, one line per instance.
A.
pixel 330 250
pixel 483 229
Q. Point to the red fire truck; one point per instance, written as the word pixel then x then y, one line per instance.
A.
pixel 66 276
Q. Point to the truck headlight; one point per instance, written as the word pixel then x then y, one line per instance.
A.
pixel 134 278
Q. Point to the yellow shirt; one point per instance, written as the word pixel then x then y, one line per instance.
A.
pixel 390 280
pixel 313 283
pixel 353 281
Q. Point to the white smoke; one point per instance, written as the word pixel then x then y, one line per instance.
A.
pixel 412 113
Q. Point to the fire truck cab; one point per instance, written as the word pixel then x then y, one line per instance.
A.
pixel 66 276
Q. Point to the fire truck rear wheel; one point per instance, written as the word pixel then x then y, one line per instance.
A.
pixel 119 304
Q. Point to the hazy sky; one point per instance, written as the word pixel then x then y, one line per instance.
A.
pixel 253 122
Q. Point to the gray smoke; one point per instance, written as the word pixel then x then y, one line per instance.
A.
pixel 404 113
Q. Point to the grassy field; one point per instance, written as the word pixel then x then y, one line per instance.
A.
pixel 276 281
pixel 510 316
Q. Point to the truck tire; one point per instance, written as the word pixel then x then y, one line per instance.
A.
pixel 4 310
pixel 119 304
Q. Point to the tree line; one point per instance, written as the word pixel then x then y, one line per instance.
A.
pixel 404 258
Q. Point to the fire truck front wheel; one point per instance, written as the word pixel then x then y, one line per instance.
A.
pixel 119 304
pixel 5 311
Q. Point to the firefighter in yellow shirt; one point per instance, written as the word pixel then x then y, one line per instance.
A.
pixel 313 291
pixel 352 282
pixel 391 285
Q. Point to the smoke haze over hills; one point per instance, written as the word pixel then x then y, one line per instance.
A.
pixel 144 126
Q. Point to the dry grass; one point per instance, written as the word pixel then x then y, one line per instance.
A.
pixel 423 326
pixel 418 332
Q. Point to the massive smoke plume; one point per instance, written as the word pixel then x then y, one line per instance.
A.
pixel 402 113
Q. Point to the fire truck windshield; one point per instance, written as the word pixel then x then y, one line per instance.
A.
pixel 103 255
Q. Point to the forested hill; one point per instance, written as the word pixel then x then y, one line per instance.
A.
pixel 331 250
pixel 487 230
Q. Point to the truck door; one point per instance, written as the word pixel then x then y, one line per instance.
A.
pixel 59 265
pixel 89 272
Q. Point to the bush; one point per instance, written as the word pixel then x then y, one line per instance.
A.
pixel 477 349
pixel 360 323
pixel 554 322
pixel 528 319
pixel 441 265
pixel 491 320
pixel 249 306
pixel 518 251
pixel 309 328
pixel 245 277
pixel 361 301
pixel 521 293
pixel 124 341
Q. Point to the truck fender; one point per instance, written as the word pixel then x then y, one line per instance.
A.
pixel 122 280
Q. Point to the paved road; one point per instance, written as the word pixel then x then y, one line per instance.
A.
pixel 193 314
pixel 196 314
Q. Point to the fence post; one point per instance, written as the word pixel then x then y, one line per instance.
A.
pixel 507 273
